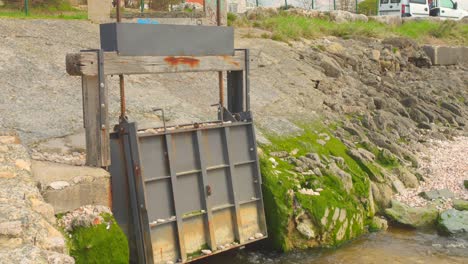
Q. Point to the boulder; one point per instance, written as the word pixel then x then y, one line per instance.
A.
pixel 378 224
pixel 409 179
pixel 437 194
pixel 389 20
pixel 400 42
pixel 331 67
pixel 460 205
pixel 398 186
pixel 454 222
pixel 341 16
pixel 382 194
pixel 414 217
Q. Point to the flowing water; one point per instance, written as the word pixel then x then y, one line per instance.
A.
pixel 396 245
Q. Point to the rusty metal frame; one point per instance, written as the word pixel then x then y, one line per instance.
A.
pixel 139 232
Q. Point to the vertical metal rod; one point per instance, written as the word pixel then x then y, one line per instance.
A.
pixel 26 7
pixel 221 90
pixel 247 80
pixel 118 11
pixel 121 77
pixel 122 97
pixel 142 6
pixel 220 73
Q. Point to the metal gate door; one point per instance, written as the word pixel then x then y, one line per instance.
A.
pixel 201 184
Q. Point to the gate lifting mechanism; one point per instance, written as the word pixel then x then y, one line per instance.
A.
pixel 182 192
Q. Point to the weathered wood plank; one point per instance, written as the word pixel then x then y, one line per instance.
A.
pixel 97 136
pixel 85 63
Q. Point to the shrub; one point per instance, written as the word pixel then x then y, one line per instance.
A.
pixel 368 7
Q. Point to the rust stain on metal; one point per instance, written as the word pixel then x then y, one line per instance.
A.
pixel 229 59
pixel 175 61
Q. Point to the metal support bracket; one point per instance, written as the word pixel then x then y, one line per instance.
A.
pixel 138 212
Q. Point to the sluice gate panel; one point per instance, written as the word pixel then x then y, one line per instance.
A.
pixel 183 192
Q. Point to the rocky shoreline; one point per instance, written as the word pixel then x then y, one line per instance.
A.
pixel 441 199
pixel 445 164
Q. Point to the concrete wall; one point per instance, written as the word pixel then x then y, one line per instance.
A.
pixel 443 55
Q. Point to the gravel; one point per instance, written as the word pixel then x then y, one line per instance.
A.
pixel 446 167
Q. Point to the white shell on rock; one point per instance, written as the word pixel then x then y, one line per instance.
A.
pixel 258 235
pixel 59 185
pixel 206 252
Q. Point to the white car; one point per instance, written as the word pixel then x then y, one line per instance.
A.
pixel 404 8
pixel 447 9
pixel 422 8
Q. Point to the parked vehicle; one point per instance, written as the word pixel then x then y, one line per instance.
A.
pixel 422 8
pixel 447 9
pixel 404 8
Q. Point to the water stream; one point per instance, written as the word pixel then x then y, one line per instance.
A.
pixel 396 245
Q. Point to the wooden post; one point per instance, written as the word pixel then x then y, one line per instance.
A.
pixel 95 112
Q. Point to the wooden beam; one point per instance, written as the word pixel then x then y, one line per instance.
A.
pixel 85 63
pixel 96 124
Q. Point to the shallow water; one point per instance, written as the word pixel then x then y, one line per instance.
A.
pixel 397 245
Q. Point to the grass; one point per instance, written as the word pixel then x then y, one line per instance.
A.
pixel 75 15
pixel 59 10
pixel 286 27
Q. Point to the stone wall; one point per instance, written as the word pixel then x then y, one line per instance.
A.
pixel 27 223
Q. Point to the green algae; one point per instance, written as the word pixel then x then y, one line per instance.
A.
pixel 102 243
pixel 279 182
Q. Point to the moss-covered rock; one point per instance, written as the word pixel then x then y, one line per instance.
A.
pixel 453 222
pixel 318 195
pixel 378 224
pixel 414 217
pixel 460 205
pixel 94 236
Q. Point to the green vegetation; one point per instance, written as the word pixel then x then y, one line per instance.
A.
pixel 231 18
pixel 34 14
pixel 53 9
pixel 281 181
pixel 286 27
pixel 198 252
pixel 368 7
pixel 102 243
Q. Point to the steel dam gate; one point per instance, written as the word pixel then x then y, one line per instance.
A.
pixel 180 192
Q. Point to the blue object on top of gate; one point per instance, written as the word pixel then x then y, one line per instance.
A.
pixel 147 21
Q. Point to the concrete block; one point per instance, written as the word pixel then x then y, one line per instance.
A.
pixel 99 10
pixel 85 185
pixel 444 55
